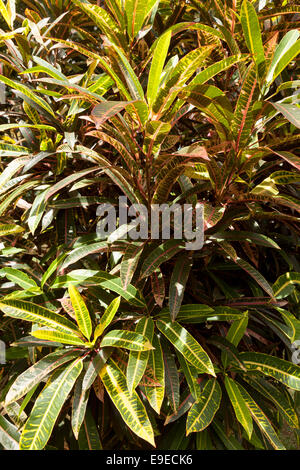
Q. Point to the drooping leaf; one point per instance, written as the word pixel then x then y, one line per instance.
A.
pixel 129 406
pixel 204 409
pixel 38 427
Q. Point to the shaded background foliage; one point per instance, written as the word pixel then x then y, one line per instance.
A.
pixel 164 102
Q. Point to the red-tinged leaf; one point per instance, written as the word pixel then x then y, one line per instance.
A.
pixel 105 110
pixel 158 287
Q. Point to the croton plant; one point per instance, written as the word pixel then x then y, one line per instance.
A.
pixel 109 342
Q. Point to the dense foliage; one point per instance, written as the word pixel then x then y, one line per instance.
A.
pixel 114 343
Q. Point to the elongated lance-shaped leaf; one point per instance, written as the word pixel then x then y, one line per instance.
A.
pixel 28 311
pixel 88 438
pixel 79 405
pixel 241 410
pixel 157 64
pixel 28 93
pixel 39 426
pixel 20 278
pixel 159 255
pixel 284 285
pixel 178 282
pixel 186 345
pixel 284 371
pixel 81 312
pixel 95 366
pixel 290 111
pixel 134 86
pixel 82 251
pixel 261 419
pixel 185 405
pixel 36 373
pixel 191 376
pixel 107 317
pixel 129 406
pixel 251 29
pixel 172 385
pixel 235 334
pixel 287 49
pixel 230 442
pixel 212 70
pixel 8 229
pixel 136 13
pixel 138 360
pixel 103 20
pixel 202 412
pixel 126 339
pixel 243 115
pixel 36 211
pixel 130 261
pixel 155 394
pixel 60 337
pixel 281 399
pixel 9 435
pixel 86 277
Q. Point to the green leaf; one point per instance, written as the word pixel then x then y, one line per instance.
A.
pixel 39 426
pixel 129 262
pixel 136 12
pixel 56 336
pixel 28 93
pixel 157 64
pixel 88 438
pixel 81 312
pixel 287 49
pixel 138 360
pixel 261 419
pixel 178 282
pixel 251 29
pixel 129 406
pixel 9 434
pixel 241 410
pixel 186 345
pixel 102 19
pixel 101 279
pixel 281 400
pixel 172 384
pixel 135 88
pixel 202 412
pixel 107 317
pixel 284 371
pixel 155 393
pixel 191 376
pixel 28 311
pixel 290 111
pixel 37 372
pixel 198 313
pixel 126 339
pixel 79 405
pixel 20 278
pixel 95 366
pixel 159 255
pixel 212 70
pixel 36 211
pixel 8 229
